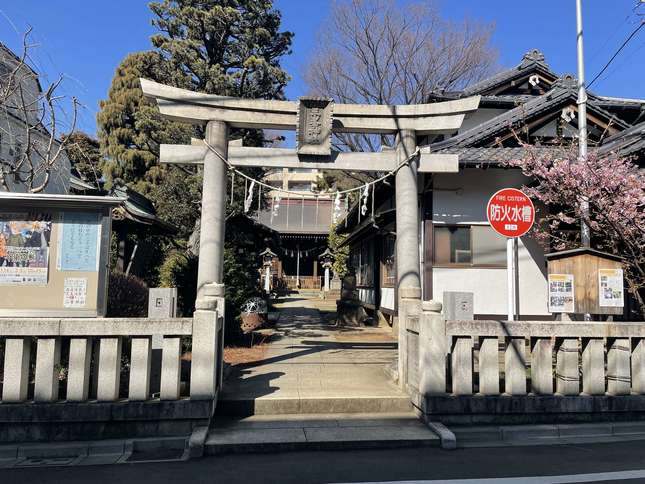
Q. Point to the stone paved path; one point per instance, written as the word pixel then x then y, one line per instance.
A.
pixel 312 367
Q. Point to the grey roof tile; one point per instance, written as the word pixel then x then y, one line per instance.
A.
pixel 563 90
pixel 627 142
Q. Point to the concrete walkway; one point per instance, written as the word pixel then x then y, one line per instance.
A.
pixel 314 367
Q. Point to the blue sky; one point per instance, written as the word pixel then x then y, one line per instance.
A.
pixel 85 39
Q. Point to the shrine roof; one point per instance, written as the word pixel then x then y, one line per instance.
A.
pixel 563 91
pixel 627 142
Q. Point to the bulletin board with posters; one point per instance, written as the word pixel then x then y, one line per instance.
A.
pixel 54 254
pixel 585 281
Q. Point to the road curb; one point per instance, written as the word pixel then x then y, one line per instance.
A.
pixel 548 434
pixel 196 443
pixel 448 438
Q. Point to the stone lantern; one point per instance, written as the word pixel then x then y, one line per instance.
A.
pixel 326 259
pixel 268 256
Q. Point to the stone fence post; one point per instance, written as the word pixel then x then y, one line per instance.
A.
pixel 432 350
pixel 409 315
pixel 208 343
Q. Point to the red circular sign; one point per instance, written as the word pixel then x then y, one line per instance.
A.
pixel 510 212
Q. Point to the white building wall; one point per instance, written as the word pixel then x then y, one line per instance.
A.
pixel 461 198
pixel 478 117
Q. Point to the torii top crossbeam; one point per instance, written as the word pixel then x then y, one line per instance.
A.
pixel 199 108
pixel 314 119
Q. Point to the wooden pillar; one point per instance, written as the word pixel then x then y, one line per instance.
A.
pixel 122 247
pixel 428 244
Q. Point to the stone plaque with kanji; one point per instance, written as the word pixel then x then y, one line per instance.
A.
pixel 313 131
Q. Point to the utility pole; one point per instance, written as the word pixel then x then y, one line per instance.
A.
pixel 582 121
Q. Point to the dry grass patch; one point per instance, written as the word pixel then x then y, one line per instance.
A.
pixel 235 355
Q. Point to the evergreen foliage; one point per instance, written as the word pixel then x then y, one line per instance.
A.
pixel 226 47
pixel 130 126
pixel 85 156
pixel 341 253
pixel 179 269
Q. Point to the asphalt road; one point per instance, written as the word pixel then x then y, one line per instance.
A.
pixel 369 466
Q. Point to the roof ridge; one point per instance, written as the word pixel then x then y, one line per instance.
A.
pixel 510 114
pixel 530 107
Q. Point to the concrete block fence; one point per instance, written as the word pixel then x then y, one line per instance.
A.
pixel 471 371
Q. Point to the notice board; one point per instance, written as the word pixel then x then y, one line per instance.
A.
pixel 54 256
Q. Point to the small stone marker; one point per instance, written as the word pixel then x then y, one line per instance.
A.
pixel 162 302
pixel 458 306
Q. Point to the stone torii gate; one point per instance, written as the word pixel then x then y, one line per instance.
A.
pixel 314 120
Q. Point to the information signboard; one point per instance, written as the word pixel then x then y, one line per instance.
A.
pixel 79 242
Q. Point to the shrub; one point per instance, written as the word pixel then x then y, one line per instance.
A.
pixel 127 296
pixel 180 270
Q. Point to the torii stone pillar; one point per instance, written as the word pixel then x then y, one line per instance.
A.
pixel 407 245
pixel 213 217
pixel 208 319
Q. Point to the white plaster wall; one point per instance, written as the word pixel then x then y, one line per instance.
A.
pixel 462 198
pixel 489 285
pixel 387 298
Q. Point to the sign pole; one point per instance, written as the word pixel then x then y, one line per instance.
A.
pixel 516 280
pixel 510 278
pixel 511 214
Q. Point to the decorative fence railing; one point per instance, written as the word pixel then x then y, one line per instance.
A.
pixel 528 357
pixel 303 282
pixel 76 360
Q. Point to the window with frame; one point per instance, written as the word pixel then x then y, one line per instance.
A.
pixel 388 263
pixel 361 259
pixel 366 271
pixel 468 246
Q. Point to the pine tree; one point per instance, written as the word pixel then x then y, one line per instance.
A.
pixel 85 156
pixel 226 47
pixel 130 126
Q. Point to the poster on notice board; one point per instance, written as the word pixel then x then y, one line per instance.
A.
pixel 561 293
pixel 79 242
pixel 24 248
pixel 610 288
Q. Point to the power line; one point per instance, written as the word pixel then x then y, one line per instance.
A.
pixel 624 44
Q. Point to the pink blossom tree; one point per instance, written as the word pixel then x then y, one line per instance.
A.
pixel 615 189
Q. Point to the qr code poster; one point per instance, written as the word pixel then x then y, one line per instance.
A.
pixel 561 293
pixel 610 288
pixel 75 292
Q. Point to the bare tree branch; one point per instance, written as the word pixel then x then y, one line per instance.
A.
pixel 30 123
pixel 381 52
